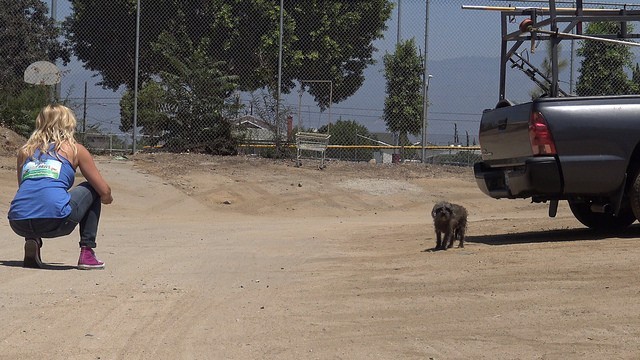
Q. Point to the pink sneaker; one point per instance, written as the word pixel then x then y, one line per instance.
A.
pixel 88 260
pixel 32 253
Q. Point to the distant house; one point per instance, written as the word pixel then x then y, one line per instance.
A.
pixel 104 142
pixel 97 141
pixel 256 128
pixel 384 156
pixel 386 138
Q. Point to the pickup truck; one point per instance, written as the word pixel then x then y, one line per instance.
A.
pixel 585 150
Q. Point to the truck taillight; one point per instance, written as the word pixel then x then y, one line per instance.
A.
pixel 540 136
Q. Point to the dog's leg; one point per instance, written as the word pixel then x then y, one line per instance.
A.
pixel 461 235
pixel 451 238
pixel 438 240
pixel 447 240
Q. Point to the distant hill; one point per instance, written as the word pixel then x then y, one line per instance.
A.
pixel 461 88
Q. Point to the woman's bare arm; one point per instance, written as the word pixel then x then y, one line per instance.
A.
pixel 19 162
pixel 92 174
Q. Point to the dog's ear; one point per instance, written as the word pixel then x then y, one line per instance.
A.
pixel 440 209
pixel 435 209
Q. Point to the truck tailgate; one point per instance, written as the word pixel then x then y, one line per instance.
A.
pixel 504 135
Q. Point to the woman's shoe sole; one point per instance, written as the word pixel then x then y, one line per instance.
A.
pixel 91 267
pixel 32 254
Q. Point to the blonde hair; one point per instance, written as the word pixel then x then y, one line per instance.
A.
pixel 55 125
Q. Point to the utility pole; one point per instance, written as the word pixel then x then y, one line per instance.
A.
pixel 84 115
pixel 135 82
pixel 398 38
pixel 54 16
pixel 425 83
pixel 279 76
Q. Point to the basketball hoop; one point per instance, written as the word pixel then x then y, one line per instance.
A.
pixel 42 73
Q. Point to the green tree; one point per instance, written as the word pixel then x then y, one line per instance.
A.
pixel 403 104
pixel 348 132
pixel 27 35
pixel 19 112
pixel 635 79
pixel 186 103
pixel 152 117
pixel 604 66
pixel 328 40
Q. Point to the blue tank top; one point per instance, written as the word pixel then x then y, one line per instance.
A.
pixel 44 188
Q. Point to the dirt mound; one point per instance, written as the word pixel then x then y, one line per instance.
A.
pixel 10 141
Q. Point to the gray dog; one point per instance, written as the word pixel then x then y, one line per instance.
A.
pixel 450 219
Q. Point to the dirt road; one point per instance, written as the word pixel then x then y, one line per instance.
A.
pixel 244 258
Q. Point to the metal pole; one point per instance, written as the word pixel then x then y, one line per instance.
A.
pixel 330 98
pixel 300 92
pixel 399 14
pixel 57 88
pixel 572 59
pixel 135 83
pixel 425 83
pixel 279 73
pixel 523 8
pixel 584 37
pixel 84 114
pixel 554 50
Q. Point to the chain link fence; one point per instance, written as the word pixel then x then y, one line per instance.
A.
pixel 221 77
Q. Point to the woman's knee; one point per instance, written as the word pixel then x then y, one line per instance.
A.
pixel 83 191
pixel 87 186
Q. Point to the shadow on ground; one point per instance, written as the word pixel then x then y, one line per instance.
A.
pixel 583 234
pixel 47 266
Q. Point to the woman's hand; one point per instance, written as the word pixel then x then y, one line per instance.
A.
pixel 106 199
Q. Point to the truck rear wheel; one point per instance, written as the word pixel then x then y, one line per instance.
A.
pixel 634 195
pixel 602 221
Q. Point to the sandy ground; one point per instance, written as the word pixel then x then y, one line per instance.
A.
pixel 245 258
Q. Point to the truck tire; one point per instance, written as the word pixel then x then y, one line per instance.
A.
pixel 634 195
pixel 602 221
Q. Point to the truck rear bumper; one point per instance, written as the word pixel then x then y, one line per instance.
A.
pixel 538 176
